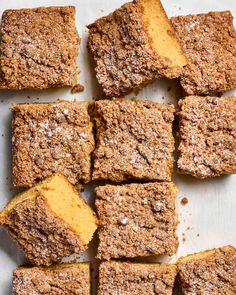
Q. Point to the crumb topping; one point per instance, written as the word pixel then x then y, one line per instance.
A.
pixel 131 278
pixel 49 138
pixel 121 47
pixel 209 41
pixel 39 48
pixel 130 227
pixel 65 279
pixel 44 237
pixel 214 274
pixel 134 140
pixel 207 130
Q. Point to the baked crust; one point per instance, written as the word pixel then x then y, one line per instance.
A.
pixel 60 279
pixel 123 51
pixel 136 220
pixel 207 132
pixel 209 41
pixel 210 272
pixel 134 278
pixel 134 140
pixel 44 237
pixel 49 138
pixel 39 48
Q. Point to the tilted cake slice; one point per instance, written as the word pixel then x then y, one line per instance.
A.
pixel 134 45
pixel 49 221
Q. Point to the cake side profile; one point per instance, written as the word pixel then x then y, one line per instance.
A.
pixel 49 221
pixel 134 45
pixel 49 138
pixel 136 220
pixel 68 278
pixel 136 278
pixel 209 41
pixel 39 48
pixel 207 133
pixel 209 272
pixel 134 140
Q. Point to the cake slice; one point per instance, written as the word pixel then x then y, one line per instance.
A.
pixel 136 278
pixel 134 45
pixel 207 133
pixel 49 221
pixel 39 48
pixel 136 220
pixel 68 278
pixel 134 140
pixel 209 41
pixel 209 272
pixel 49 138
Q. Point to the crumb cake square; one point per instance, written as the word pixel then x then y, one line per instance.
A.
pixel 209 41
pixel 39 48
pixel 136 278
pixel 136 220
pixel 64 279
pixel 134 45
pixel 134 140
pixel 49 221
pixel 207 132
pixel 49 138
pixel 210 272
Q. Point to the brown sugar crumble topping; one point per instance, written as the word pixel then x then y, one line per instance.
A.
pixel 136 220
pixel 207 131
pixel 49 138
pixel 61 279
pixel 39 48
pixel 133 278
pixel 209 41
pixel 210 272
pixel 123 50
pixel 134 140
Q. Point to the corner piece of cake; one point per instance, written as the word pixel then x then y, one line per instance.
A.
pixel 134 140
pixel 136 278
pixel 133 46
pixel 207 133
pixel 209 272
pixel 209 41
pixel 49 221
pixel 49 138
pixel 136 220
pixel 39 48
pixel 68 278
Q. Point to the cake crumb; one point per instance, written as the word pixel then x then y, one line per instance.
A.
pixel 77 88
pixel 184 201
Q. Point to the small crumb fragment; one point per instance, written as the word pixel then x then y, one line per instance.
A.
pixel 169 89
pixel 198 235
pixel 183 237
pixel 184 201
pixel 77 88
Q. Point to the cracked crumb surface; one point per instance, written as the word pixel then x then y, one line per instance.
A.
pixel 136 220
pixel 209 41
pixel 134 140
pixel 207 131
pixel 39 48
pixel 61 279
pixel 125 51
pixel 49 138
pixel 136 278
pixel 211 272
